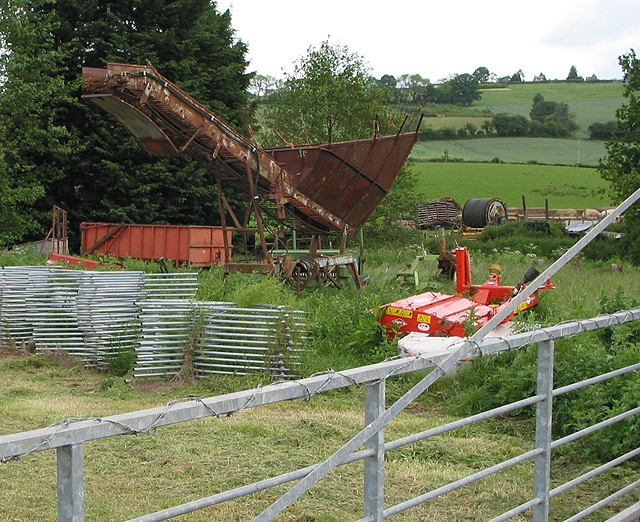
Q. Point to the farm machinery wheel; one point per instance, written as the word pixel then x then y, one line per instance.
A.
pixel 480 212
pixel 306 273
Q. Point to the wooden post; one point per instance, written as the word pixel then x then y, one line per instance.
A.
pixel 546 209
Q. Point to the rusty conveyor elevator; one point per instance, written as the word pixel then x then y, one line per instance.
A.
pixel 318 189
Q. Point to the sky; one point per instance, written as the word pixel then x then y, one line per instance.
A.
pixel 438 39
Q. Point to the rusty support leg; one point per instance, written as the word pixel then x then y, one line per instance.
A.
pixel 223 224
pixel 314 245
pixel 256 210
pixel 353 270
pixel 343 243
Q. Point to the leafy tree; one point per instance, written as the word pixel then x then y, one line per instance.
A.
pixel 551 118
pixel 510 125
pixel 330 95
pixel 464 89
pixel 13 221
pixel 262 85
pixel 604 131
pixel 417 88
pixel 75 153
pixel 482 75
pixel 621 166
pixel 388 81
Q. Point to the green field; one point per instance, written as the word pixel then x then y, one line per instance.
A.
pixel 550 151
pixel 564 187
pixel 590 102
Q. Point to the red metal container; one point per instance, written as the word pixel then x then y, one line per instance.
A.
pixel 194 245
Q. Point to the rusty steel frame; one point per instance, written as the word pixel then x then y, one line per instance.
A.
pixel 330 187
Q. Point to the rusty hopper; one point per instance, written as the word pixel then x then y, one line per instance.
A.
pixel 325 188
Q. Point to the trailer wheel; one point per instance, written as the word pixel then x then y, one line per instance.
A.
pixel 305 273
pixel 480 212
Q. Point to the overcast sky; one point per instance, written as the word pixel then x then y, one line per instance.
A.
pixel 439 38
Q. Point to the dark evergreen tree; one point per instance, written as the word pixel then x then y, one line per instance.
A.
pixel 79 156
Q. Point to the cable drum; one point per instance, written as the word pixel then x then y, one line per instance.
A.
pixel 480 212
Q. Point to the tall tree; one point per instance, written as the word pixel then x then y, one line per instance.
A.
pixel 482 75
pixel 621 166
pixel 329 95
pixel 464 89
pixel 573 75
pixel 82 159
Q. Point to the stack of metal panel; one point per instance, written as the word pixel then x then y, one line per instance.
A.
pixel 98 316
pixel 252 340
pixel 218 338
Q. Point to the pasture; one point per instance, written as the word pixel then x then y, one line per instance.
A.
pixel 550 151
pixel 564 187
pixel 131 475
pixel 590 102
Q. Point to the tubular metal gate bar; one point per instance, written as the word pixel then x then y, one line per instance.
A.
pixel 68 437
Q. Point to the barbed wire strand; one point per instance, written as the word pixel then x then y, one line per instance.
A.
pixel 583 325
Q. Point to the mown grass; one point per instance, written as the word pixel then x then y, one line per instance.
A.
pixel 550 151
pixel 563 186
pixel 130 476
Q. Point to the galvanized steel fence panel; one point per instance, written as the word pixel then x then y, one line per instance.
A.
pixel 94 315
pixel 221 338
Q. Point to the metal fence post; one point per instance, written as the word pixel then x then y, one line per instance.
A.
pixel 374 465
pixel 70 464
pixel 544 410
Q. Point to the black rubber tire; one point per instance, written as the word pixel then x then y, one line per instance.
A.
pixel 480 212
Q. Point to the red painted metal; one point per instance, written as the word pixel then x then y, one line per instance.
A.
pixel 195 245
pixel 62 259
pixel 435 313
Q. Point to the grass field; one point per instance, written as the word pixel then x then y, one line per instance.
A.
pixel 590 102
pixel 564 187
pixel 548 151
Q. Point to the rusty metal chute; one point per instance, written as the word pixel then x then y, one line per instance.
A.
pixel 330 188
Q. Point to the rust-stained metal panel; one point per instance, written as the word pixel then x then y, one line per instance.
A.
pixel 329 187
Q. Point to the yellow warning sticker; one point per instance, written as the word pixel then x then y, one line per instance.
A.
pixel 392 310
pixel 422 318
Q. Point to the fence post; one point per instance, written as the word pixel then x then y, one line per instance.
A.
pixel 544 410
pixel 70 465
pixel 374 465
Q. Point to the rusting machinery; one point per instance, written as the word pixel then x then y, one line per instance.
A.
pixel 330 188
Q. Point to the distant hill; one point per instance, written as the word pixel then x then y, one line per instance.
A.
pixel 590 102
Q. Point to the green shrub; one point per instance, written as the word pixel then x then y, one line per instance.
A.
pixel 120 360
pixel 491 382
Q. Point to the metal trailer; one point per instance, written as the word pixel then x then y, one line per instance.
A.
pixel 199 246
